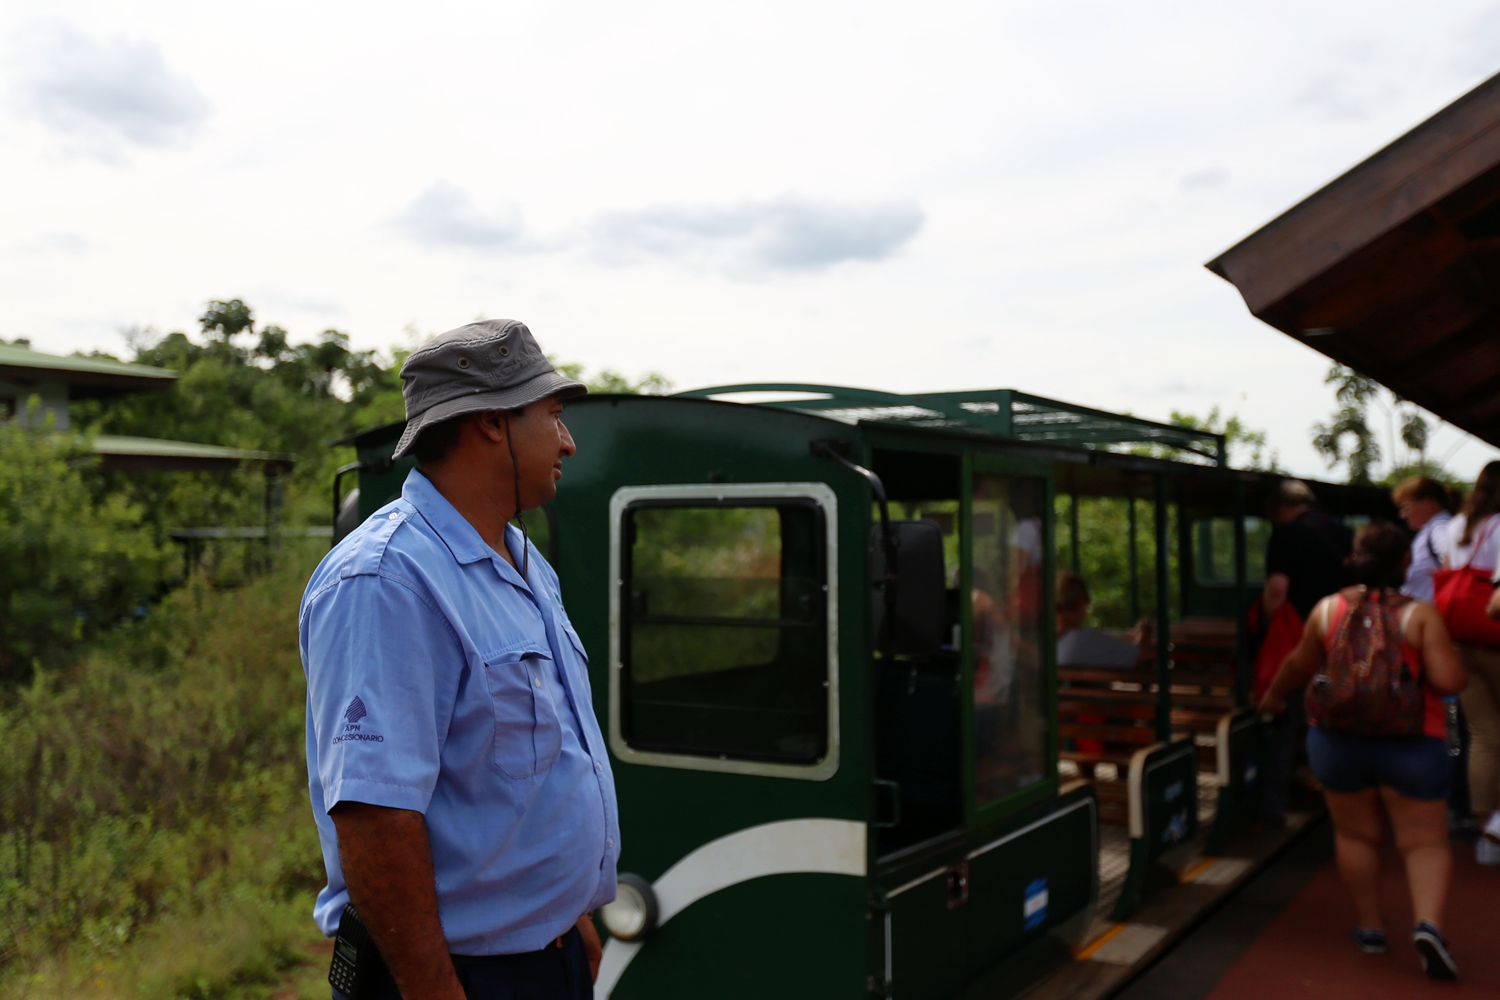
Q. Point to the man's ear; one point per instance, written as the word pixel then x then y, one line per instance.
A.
pixel 491 425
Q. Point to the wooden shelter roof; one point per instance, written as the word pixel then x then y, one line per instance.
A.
pixel 1394 268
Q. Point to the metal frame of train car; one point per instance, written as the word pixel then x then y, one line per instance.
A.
pixel 845 819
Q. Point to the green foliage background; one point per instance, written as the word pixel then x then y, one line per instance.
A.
pixel 155 834
pixel 156 785
pixel 74 557
pixel 1104 556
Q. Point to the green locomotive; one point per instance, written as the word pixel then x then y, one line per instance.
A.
pixel 820 629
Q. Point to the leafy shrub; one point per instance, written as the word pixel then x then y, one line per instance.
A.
pixel 129 795
pixel 71 560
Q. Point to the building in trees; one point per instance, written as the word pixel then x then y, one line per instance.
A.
pixel 36 388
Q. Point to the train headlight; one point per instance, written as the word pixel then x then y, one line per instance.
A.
pixel 632 916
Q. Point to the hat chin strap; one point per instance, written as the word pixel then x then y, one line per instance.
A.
pixel 515 468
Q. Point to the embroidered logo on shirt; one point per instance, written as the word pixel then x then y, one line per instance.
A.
pixel 352 730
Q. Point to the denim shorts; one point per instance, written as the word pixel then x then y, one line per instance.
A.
pixel 1417 767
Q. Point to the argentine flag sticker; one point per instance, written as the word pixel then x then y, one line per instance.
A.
pixel 1034 910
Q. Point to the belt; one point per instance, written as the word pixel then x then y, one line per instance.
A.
pixel 555 944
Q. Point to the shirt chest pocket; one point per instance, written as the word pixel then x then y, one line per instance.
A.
pixel 528 734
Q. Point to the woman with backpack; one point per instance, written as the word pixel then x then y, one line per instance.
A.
pixel 1376 664
pixel 1463 588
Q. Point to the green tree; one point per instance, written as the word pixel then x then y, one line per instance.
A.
pixel 1104 556
pixel 611 381
pixel 269 395
pixel 1348 438
pixel 1354 394
pixel 73 558
pixel 1247 446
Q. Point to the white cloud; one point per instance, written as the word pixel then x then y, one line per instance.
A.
pixel 1208 177
pixel 445 216
pixel 106 94
pixel 1335 98
pixel 789 233
pixel 741 239
pixel 1480 43
pixel 66 243
pixel 1037 185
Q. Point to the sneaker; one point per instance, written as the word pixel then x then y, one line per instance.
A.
pixel 1370 942
pixel 1487 851
pixel 1436 961
pixel 1492 828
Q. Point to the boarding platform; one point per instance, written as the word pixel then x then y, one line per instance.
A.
pixel 1268 917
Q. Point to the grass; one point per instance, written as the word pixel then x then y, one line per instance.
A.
pixel 243 949
pixel 155 834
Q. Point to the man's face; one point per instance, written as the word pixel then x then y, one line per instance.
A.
pixel 1070 618
pixel 1417 513
pixel 541 441
pixel 1286 513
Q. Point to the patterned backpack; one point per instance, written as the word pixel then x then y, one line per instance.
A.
pixel 1367 687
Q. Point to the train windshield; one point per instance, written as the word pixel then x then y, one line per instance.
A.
pixel 724 641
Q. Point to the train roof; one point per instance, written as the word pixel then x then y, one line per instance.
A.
pixel 999 413
pixel 1002 413
pixel 1092 448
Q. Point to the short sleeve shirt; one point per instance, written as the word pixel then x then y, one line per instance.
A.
pixel 442 682
pixel 1087 647
pixel 1483 549
pixel 1310 551
pixel 1426 557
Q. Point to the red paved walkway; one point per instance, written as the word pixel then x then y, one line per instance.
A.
pixel 1307 950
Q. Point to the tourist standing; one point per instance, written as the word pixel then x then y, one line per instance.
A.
pixel 1426 506
pixel 1474 543
pixel 1304 564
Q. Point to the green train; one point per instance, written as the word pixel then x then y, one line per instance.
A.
pixel 821 637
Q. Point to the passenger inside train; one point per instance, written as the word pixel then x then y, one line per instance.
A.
pixel 1080 646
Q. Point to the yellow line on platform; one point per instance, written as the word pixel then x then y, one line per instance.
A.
pixel 1099 942
pixel 1192 872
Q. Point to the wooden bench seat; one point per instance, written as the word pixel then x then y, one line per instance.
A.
pixel 1113 710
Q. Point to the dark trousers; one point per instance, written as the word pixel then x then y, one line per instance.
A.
pixel 1284 738
pixel 550 974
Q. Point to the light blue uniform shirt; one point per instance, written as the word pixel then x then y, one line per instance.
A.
pixel 439 681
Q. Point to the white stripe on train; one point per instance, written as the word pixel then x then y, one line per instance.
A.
pixel 821 846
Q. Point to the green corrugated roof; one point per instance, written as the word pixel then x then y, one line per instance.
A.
pixel 12 356
pixel 1002 412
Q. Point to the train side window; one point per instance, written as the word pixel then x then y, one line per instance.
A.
pixel 722 633
pixel 1214 550
pixel 1008 603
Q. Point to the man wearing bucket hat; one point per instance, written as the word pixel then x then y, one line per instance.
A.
pixel 459 778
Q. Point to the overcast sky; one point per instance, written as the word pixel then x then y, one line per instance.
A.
pixel 906 197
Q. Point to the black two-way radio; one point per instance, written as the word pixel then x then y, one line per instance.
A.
pixel 358 971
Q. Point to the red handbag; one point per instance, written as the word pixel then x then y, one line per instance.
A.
pixel 1283 632
pixel 1462 595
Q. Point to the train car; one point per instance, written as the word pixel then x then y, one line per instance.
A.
pixel 821 639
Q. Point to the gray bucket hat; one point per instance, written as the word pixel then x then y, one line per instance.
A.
pixel 494 364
